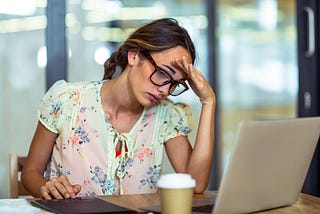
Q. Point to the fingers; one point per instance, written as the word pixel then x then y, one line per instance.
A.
pixel 193 74
pixel 45 192
pixel 197 81
pixel 184 65
pixel 195 77
pixel 59 188
pixel 76 188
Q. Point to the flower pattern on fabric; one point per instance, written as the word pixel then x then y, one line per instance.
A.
pixel 152 176
pixel 146 152
pixel 55 107
pixel 90 194
pixel 82 135
pixel 99 178
pixel 85 149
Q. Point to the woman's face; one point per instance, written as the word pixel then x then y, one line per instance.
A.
pixel 149 93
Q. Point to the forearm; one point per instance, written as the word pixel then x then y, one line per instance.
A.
pixel 199 164
pixel 32 181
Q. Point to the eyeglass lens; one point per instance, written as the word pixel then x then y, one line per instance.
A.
pixel 161 78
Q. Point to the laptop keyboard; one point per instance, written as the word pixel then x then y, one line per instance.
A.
pixel 203 209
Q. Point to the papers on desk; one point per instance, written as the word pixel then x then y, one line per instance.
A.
pixel 16 206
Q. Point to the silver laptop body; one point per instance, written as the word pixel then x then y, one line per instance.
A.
pixel 267 165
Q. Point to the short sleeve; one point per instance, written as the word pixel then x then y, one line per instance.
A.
pixel 178 121
pixel 51 106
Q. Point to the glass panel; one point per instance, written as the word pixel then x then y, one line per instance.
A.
pixel 258 70
pixel 22 77
pixel 96 27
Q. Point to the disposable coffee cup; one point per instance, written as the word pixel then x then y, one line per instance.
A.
pixel 176 193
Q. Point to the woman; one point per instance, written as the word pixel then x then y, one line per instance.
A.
pixel 107 137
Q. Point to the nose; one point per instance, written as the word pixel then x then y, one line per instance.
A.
pixel 164 90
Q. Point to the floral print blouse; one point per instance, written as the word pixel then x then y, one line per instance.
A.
pixel 85 149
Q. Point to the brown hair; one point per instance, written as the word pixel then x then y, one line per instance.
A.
pixel 159 35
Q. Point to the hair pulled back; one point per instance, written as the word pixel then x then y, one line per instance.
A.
pixel 159 35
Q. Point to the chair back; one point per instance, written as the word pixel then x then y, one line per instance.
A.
pixel 16 164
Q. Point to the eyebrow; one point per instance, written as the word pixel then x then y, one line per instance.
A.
pixel 170 68
pixel 173 72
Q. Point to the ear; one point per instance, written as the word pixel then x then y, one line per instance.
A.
pixel 132 57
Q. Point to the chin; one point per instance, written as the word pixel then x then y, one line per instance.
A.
pixel 149 104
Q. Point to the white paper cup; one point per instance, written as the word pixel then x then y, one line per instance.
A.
pixel 176 193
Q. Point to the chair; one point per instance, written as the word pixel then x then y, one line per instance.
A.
pixel 16 164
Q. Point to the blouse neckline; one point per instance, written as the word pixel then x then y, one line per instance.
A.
pixel 133 128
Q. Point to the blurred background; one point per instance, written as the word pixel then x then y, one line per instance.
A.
pixel 246 48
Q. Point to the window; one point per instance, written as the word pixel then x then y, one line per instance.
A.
pixel 22 76
pixel 258 70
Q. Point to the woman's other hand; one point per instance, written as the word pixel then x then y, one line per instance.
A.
pixel 59 188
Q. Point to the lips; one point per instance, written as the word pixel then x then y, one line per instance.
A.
pixel 154 98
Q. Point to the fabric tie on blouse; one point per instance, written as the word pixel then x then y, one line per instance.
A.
pixel 119 163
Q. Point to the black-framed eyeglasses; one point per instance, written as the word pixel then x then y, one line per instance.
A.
pixel 160 77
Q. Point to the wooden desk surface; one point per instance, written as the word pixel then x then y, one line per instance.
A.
pixel 306 203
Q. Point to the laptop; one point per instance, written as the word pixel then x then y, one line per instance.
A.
pixel 268 165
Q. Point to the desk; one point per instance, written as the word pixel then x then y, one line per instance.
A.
pixel 306 203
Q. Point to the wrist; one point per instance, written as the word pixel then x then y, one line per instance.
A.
pixel 210 101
